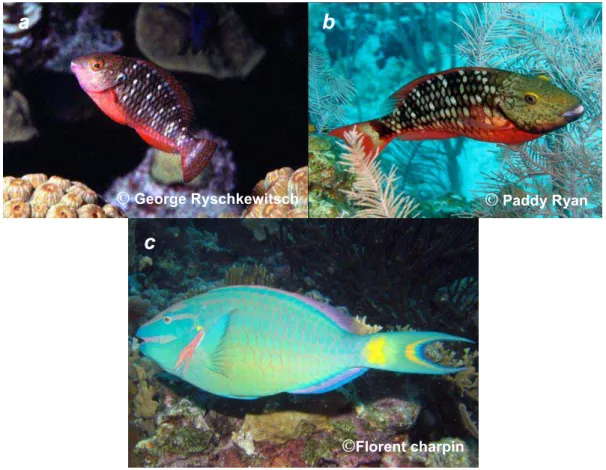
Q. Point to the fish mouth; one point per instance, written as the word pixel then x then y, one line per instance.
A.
pixel 574 113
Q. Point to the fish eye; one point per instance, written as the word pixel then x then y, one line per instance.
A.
pixel 167 319
pixel 96 64
pixel 531 98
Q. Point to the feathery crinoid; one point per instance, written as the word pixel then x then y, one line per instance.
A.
pixel 329 93
pixel 566 163
pixel 374 193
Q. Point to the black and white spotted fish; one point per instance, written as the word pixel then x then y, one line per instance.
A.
pixel 484 104
pixel 147 98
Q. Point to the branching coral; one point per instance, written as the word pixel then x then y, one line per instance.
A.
pixel 373 192
pixel 246 274
pixel 566 163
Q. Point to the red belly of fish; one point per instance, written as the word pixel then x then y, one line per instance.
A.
pixel 108 102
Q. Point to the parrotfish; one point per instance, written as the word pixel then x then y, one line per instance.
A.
pixel 141 95
pixel 484 104
pixel 250 341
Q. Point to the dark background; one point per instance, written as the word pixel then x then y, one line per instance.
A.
pixel 262 117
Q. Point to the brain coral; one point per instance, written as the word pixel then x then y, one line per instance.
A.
pixel 281 183
pixel 38 196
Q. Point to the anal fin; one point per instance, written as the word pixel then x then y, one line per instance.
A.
pixel 333 382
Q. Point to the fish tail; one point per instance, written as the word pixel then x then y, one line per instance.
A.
pixel 406 351
pixel 195 156
pixel 371 140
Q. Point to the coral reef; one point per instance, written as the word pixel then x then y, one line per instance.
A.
pixel 17 124
pixel 35 195
pixel 164 34
pixel 291 186
pixel 153 178
pixel 328 180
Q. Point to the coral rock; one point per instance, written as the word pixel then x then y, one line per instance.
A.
pixel 47 193
pixel 91 211
pixel 163 35
pixel 53 197
pixel 18 189
pixel 61 211
pixel 283 183
pixel 36 179
pixel 17 124
pixel 16 209
pixel 281 426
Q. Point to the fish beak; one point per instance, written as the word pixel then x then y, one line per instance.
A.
pixel 574 114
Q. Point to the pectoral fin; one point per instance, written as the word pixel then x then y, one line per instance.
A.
pixel 216 346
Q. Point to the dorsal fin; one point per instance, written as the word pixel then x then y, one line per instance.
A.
pixel 342 319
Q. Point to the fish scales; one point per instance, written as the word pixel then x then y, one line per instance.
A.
pixel 143 96
pixel 484 104
pixel 248 341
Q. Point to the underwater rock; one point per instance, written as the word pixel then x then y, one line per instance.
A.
pixel 328 179
pixel 282 426
pixel 54 35
pixel 17 123
pixel 282 183
pixel 261 229
pixel 440 458
pixel 449 205
pixel 218 179
pixel 81 36
pixel 183 438
pixel 37 196
pixel 170 35
pixel 390 416
pixel 166 169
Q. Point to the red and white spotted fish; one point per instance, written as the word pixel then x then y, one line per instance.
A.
pixel 141 95
pixel 484 104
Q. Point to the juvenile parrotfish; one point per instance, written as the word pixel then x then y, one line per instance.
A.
pixel 147 98
pixel 484 104
pixel 249 342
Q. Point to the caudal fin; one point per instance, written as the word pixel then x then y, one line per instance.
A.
pixel 370 139
pixel 405 351
pixel 195 156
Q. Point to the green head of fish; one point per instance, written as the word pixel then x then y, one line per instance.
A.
pixel 166 335
pixel 536 105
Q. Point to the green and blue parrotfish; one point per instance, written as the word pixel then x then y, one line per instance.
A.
pixel 248 342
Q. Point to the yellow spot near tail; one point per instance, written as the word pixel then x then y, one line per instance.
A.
pixel 544 77
pixel 374 351
pixel 411 354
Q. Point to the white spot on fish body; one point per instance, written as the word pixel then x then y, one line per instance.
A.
pixel 493 90
pixel 462 89
pixel 460 124
pixel 453 100
pixel 484 80
pixel 465 79
pixel 442 114
pixel 135 81
pixel 148 75
pixel 149 95
pixel 159 87
pixel 466 112
pixel 478 99
pixel 473 100
pixel 431 106
pixel 440 76
pixel 134 66
pixel 461 72
pixel 487 111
